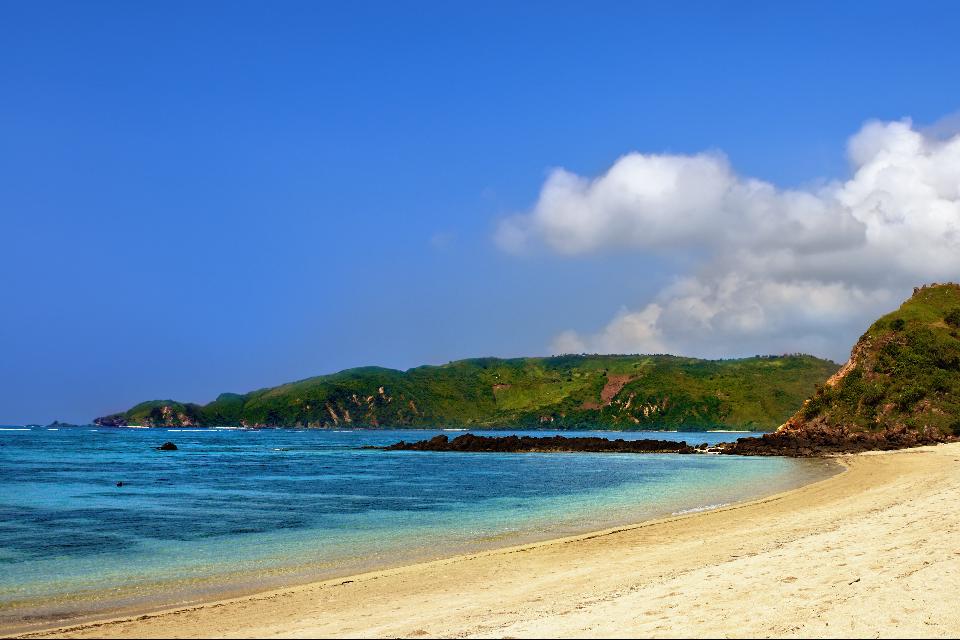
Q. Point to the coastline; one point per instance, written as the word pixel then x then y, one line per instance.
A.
pixel 619 506
pixel 813 560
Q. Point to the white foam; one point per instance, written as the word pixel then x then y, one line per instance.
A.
pixel 709 507
pixel 15 429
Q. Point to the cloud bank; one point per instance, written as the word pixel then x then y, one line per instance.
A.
pixel 774 270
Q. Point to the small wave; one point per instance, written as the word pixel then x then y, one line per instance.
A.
pixel 16 429
pixel 53 429
pixel 709 507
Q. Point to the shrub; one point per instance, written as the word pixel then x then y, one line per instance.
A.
pixel 940 382
pixel 955 428
pixel 910 396
pixel 872 395
pixel 953 317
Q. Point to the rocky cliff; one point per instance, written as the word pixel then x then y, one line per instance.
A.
pixel 900 388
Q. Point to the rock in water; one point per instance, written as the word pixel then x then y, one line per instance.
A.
pixel 514 444
pixel 167 446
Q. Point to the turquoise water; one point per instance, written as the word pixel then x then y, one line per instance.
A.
pixel 237 510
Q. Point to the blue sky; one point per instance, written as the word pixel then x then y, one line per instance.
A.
pixel 207 197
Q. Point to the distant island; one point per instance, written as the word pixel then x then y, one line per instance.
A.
pixel 655 392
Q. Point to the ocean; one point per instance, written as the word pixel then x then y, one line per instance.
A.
pixel 235 511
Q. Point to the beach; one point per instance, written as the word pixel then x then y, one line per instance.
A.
pixel 871 551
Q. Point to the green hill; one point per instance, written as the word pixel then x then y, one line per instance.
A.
pixel 903 373
pixel 563 392
pixel 900 388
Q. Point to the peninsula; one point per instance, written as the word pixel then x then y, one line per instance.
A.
pixel 655 392
pixel 900 388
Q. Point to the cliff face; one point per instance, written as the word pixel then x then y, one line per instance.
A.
pixel 622 392
pixel 900 388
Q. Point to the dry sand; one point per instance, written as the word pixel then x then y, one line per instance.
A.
pixel 874 551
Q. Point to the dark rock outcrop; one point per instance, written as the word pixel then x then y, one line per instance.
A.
pixel 56 424
pixel 820 440
pixel 113 420
pixel 516 444
pixel 167 446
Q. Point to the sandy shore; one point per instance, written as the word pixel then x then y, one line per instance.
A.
pixel 874 551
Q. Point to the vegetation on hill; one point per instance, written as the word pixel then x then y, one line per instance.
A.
pixel 563 392
pixel 900 388
pixel 903 373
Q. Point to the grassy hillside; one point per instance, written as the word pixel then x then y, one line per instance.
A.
pixel 904 372
pixel 618 392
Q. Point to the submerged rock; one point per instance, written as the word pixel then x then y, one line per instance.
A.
pixel 167 446
pixel 516 444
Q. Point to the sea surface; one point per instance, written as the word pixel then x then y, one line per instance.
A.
pixel 235 511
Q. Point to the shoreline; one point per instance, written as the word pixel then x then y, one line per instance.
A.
pixel 765 551
pixel 144 598
pixel 216 599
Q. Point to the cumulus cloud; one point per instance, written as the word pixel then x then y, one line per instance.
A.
pixel 778 270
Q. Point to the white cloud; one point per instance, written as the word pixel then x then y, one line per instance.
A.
pixel 778 270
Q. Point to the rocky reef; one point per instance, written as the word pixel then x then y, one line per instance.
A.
pixel 822 440
pixel 553 444
pixel 113 420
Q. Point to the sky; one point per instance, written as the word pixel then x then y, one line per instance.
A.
pixel 221 196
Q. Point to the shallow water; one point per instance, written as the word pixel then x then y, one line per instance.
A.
pixel 237 510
